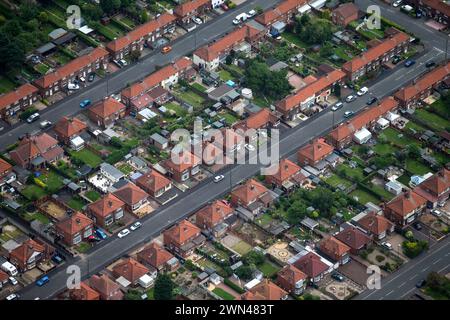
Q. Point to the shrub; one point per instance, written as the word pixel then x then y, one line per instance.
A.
pixel 233 286
pixel 380 258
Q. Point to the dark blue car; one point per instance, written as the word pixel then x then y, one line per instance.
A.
pixel 409 63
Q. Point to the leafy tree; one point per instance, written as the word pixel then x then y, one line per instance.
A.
pixel 244 272
pixel 164 287
pixel 254 257
pixel 92 11
pixel 413 248
pixel 135 55
pixel 132 295
pixel 439 284
pixel 144 16
pixel 413 151
pixel 326 50
pixel 296 212
pixel 337 90
pixel 109 6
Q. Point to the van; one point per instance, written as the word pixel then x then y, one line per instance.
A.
pixel 9 268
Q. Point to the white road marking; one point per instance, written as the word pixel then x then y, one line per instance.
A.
pixel 389 293
pixel 413 277
pixel 437 261
pixel 425 268
pixel 402 284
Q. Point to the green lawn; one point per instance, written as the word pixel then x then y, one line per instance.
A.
pixel 33 192
pixel 292 38
pixel 199 87
pixel 76 203
pixel 242 247
pixel 53 181
pixel 40 217
pixel 383 149
pixel 226 75
pixel 416 167
pixel 151 294
pixel 6 85
pixel 191 98
pixel 398 138
pixel 364 197
pixel 83 247
pixel 129 22
pixel 42 68
pixel 177 108
pixel 335 180
pixel 268 268
pixel 61 57
pixel 264 219
pixel 223 294
pixel 87 157
pixel 351 172
pixel 126 168
pixel 92 195
pixel 229 118
pixel 440 107
pixel 414 127
pixel 383 193
pixel 433 120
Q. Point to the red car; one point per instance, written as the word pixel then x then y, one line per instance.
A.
pixel 224 6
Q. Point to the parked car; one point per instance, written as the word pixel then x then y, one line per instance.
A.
pixel 197 20
pixel 45 124
pixel 13 281
pixel 337 276
pixel 166 49
pixel 123 233
pixel 85 103
pixel 123 62
pixel 348 114
pixel 135 226
pixel 100 233
pixel 337 106
pixel 436 213
pixel 417 226
pixel 362 91
pixel 42 281
pixel 91 77
pixel 12 296
pixel 396 59
pixel 350 98
pixel 219 178
pixel 387 245
pixel 421 283
pixel 430 64
pixel 251 13
pixel 409 63
pixel 57 259
pixel 82 79
pixel 372 100
pixel 224 7
pixel 397 3
pixel 73 86
pixel 33 117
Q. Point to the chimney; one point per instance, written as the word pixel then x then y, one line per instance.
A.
pixel 407 194
pixel 252 187
pixel 441 173
pixel 110 203
pixel 78 221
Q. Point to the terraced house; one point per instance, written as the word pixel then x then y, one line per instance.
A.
pixel 188 10
pixel 136 96
pixel 423 87
pixel 438 10
pixel 209 57
pixel 377 55
pixel 135 40
pixel 284 12
pixel 13 102
pixel 80 67
pixel 318 90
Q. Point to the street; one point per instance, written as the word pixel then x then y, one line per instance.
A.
pixel 187 203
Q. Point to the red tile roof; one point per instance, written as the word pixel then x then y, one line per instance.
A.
pixel 141 32
pixel 4 166
pixel 187 8
pixel 131 194
pixel 12 97
pixel 353 237
pixel 67 127
pixel 71 67
pixel 183 161
pixel 108 289
pixel 333 247
pixel 316 150
pixel 374 223
pixel 155 255
pixel 24 252
pixel 274 14
pixel 130 269
pixel 405 203
pixel 249 191
pixel 286 169
pixel 346 10
pixel 266 290
pixel 310 90
pixel 182 232
pixel 85 293
pixel 311 265
pixel 31 147
pixel 362 119
pixel 156 78
pixel 376 52
pixel 106 205
pixel 74 224
pixel 212 51
pixel 213 213
pixel 258 120
pixel 153 180
pixel 291 274
pixel 438 183
pixel 438 5
pixel 424 83
pixel 3 276
pixel 107 107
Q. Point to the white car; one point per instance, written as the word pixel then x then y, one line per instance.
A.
pixel 82 79
pixel 197 20
pixel 250 147
pixel 45 124
pixel 72 86
pixel 13 281
pixel 337 106
pixel 123 233
pixel 396 3
pixel 387 245
pixel 350 98
pixel 12 296
pixel 436 213
pixel 236 21
pixel 33 117
pixel 219 178
pixel 135 226
pixel 251 13
pixel 362 91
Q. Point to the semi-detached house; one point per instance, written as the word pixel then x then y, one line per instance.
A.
pixel 13 102
pixel 135 39
pixel 80 67
pixel 404 209
pixel 376 56
pixel 284 12
pixel 186 11
pixel 423 87
pixel 304 98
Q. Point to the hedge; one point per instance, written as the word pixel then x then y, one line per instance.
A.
pixel 233 286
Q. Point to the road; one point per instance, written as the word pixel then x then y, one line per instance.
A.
pixel 401 283
pixel 190 201
pixel 115 82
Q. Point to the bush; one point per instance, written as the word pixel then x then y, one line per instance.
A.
pixel 413 248
pixel 233 286
pixel 28 112
pixel 380 258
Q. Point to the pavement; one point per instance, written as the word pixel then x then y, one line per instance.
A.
pixel 187 203
pixel 117 81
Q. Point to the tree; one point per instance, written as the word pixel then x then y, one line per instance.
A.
pixel 244 272
pixel 296 212
pixel 109 6
pixel 144 16
pixel 326 50
pixel 164 287
pixel 337 90
pixel 254 257
pixel 413 151
pixel 12 52
pixel 133 295
pixel 135 55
